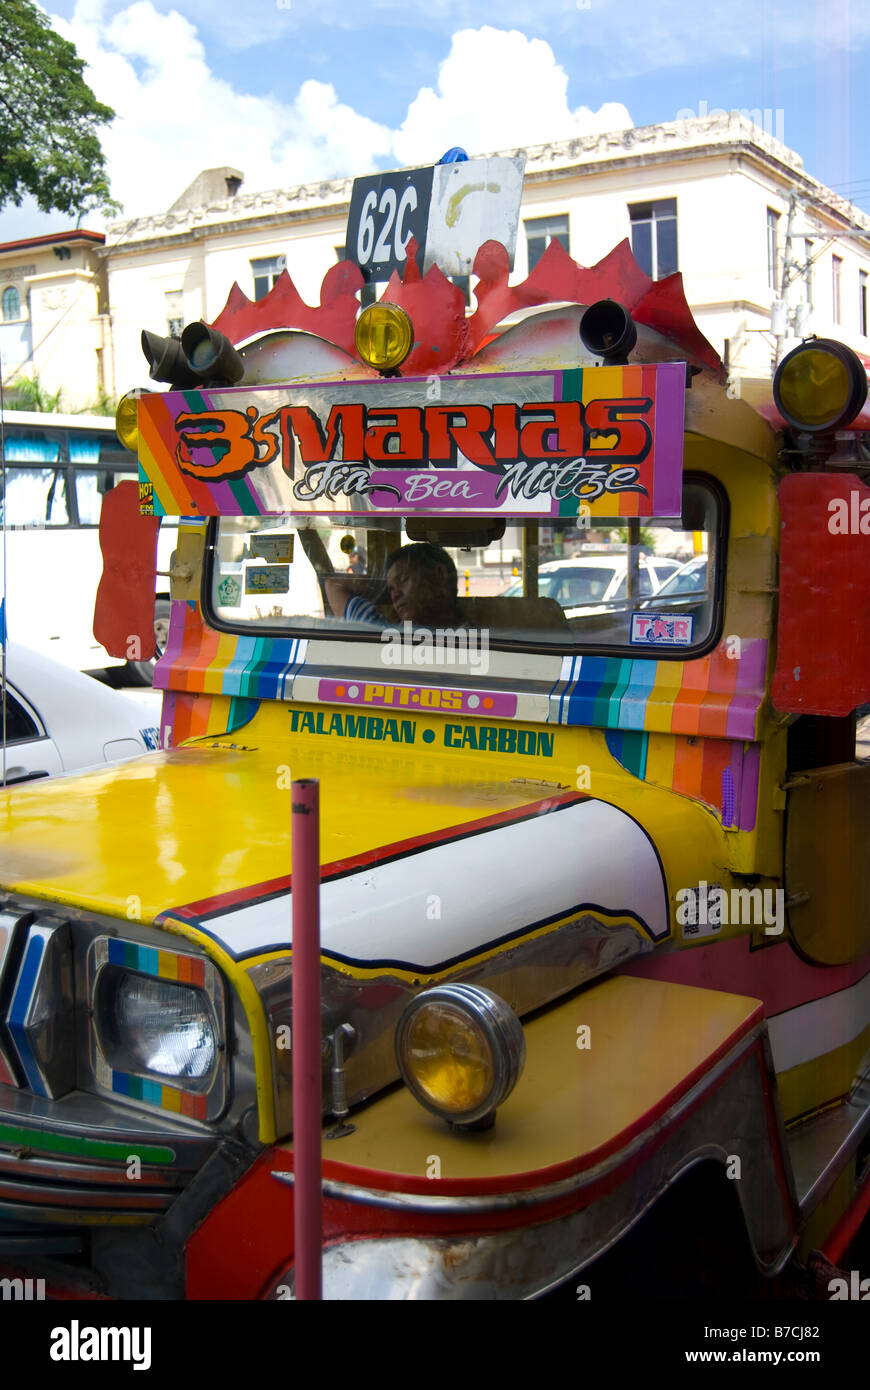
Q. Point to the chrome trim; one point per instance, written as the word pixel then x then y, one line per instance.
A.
pixel 82 1175
pixel 84 1116
pixel 66 1162
pixel 501 1201
pixel 10 940
pixel 528 976
pixel 428 1203
pixel 527 1260
pixel 40 1014
pixel 733 1121
pixel 821 1146
pixel 63 1216
pixel 61 1199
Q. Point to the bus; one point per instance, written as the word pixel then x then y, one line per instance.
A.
pixel 55 472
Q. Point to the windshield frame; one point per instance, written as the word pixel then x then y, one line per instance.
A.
pixel 360 634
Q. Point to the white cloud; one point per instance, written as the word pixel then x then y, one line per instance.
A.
pixel 175 117
pixel 497 89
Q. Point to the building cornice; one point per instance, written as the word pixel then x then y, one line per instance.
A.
pixel 204 231
pixel 32 243
pixel 708 137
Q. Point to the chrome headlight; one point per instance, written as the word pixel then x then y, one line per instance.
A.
pixel 152 1025
pixel 158 1027
pixel 460 1049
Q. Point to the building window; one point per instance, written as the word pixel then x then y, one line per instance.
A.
pixel 654 236
pixel 265 273
pixel 836 268
pixel 11 304
pixel 808 271
pixel 772 246
pixel 174 313
pixel 862 303
pixel 541 231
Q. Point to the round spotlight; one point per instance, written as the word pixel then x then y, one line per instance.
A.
pixel 608 330
pixel 820 386
pixel 460 1050
pixel 383 336
pixel 127 420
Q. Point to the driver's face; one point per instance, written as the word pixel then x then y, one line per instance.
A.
pixel 415 594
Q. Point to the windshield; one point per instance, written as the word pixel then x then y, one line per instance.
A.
pixel 522 581
pixel 691 579
pixel 570 583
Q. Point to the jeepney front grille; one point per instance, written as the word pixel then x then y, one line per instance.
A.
pixel 74 1149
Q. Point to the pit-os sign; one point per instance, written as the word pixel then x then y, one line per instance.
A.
pixel 518 444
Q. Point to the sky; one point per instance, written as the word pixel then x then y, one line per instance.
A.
pixel 290 91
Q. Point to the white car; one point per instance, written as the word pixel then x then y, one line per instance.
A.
pixel 598 579
pixel 689 582
pixel 58 721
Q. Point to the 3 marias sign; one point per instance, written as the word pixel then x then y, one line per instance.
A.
pixel 528 444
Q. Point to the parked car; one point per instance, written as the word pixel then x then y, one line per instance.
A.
pixel 685 584
pixel 58 721
pixel 599 579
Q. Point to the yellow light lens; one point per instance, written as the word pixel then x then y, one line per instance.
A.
pixel 449 1058
pixel 814 387
pixel 383 336
pixel 127 422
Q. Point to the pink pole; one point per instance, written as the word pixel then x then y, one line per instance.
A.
pixel 305 1040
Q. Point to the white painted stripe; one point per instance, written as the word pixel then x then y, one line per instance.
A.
pixel 295 663
pixel 452 899
pixel 810 1030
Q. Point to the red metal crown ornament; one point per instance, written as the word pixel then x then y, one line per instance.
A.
pixel 444 336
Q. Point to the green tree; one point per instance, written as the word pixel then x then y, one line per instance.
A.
pixel 102 404
pixel 646 537
pixel 28 393
pixel 49 118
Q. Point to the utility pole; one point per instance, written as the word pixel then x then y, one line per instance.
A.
pixel 786 263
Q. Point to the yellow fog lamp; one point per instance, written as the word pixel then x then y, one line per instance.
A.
pixel 127 420
pixel 820 386
pixel 460 1050
pixel 383 336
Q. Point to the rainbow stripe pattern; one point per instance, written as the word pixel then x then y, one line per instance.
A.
pixel 163 965
pixel 200 660
pixel 723 773
pixel 640 406
pixel 711 696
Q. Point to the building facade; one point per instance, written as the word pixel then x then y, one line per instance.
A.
pixel 767 253
pixel 54 322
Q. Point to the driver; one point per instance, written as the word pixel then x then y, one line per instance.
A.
pixel 421 582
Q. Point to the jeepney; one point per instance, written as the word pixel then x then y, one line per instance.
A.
pixel 595 890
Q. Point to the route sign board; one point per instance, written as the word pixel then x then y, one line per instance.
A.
pixel 451 209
